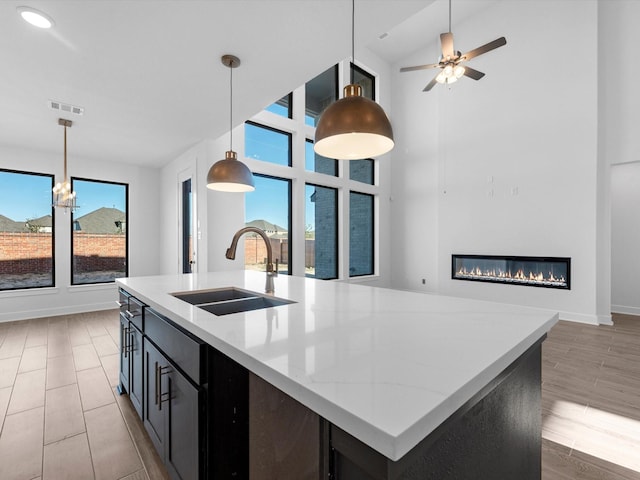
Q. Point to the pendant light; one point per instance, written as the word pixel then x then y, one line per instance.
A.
pixel 63 196
pixel 230 174
pixel 353 127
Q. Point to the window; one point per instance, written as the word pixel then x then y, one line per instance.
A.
pixel 267 144
pixel 320 92
pixel 333 203
pixel 365 80
pixel 268 208
pixel 361 234
pixel 362 171
pixel 317 163
pixel 26 230
pixel 281 107
pixel 321 232
pixel 99 228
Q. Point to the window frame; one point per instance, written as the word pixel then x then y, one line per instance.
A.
pixel 289 98
pixel 373 234
pixel 300 177
pixel 126 242
pixel 337 227
pixel 364 73
pixel 264 126
pixel 53 283
pixel 289 213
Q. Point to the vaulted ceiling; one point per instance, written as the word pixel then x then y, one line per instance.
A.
pixel 148 72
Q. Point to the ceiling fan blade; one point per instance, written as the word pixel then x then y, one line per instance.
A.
pixel 430 84
pixel 472 73
pixel 419 67
pixel 498 42
pixel 446 39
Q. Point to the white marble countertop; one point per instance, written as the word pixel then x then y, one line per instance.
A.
pixel 384 365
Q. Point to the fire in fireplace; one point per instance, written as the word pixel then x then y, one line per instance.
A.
pixel 549 272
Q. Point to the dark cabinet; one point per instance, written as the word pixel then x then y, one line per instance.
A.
pixel 174 413
pixel 131 357
pixel 125 364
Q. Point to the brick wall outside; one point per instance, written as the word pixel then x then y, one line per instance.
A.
pixel 255 251
pixel 94 252
pixel 24 253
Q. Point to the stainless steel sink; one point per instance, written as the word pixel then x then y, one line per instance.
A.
pixel 223 301
pixel 200 297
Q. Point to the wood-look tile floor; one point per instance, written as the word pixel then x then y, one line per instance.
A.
pixel 591 401
pixel 60 415
pixel 61 418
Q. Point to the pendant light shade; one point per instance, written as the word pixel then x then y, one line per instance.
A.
pixel 230 174
pixel 353 128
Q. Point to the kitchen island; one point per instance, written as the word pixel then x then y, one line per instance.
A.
pixel 405 385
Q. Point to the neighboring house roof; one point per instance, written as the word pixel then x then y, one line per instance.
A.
pixel 102 220
pixel 268 227
pixel 45 221
pixel 8 225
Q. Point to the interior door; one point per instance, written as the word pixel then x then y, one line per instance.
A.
pixel 187 222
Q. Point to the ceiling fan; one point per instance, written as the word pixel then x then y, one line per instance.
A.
pixel 450 61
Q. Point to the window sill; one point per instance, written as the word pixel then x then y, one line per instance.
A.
pixel 29 292
pixel 363 278
pixel 92 287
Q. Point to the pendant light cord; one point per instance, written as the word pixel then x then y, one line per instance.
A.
pixel 353 38
pixel 231 105
pixel 65 154
pixel 449 16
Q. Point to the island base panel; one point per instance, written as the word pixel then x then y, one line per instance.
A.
pixel 284 436
pixel 496 435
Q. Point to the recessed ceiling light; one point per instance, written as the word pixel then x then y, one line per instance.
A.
pixel 35 17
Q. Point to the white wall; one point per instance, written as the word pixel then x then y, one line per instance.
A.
pixel 219 215
pixel 625 241
pixel 620 120
pixel 143 227
pixel 507 165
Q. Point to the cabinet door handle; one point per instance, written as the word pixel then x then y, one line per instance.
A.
pixel 157 373
pixel 132 341
pixel 125 335
pixel 121 304
pixel 129 314
pixel 163 397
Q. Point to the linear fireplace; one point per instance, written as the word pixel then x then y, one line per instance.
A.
pixel 549 272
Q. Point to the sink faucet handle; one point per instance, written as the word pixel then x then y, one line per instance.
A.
pixel 275 273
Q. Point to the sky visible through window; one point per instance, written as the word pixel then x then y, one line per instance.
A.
pixel 269 207
pixel 17 206
pixel 12 187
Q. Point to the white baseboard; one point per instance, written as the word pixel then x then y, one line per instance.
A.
pixel 625 309
pixel 55 311
pixel 588 319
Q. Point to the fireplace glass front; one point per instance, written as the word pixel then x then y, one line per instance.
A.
pixel 549 272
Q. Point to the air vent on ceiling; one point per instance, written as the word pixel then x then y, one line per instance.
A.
pixel 65 107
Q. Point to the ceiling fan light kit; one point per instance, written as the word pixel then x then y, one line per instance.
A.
pixel 450 61
pixel 353 127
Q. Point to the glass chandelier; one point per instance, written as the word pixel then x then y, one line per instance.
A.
pixel 63 196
